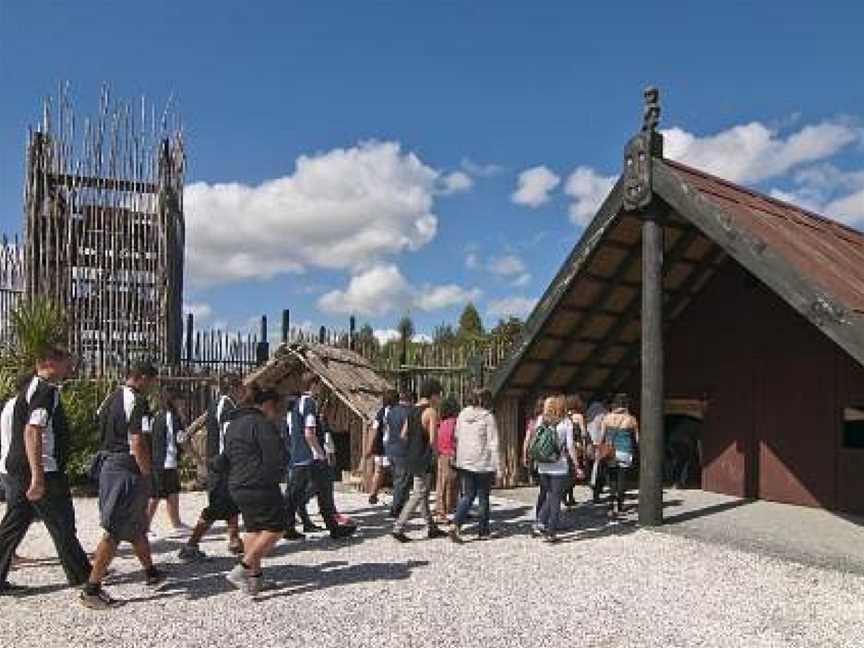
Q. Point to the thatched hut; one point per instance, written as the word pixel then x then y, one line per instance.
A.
pixel 352 394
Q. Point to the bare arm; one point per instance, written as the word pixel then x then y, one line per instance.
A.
pixel 312 439
pixel 33 447
pixel 141 451
pixel 430 423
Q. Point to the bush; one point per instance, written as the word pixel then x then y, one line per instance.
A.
pixel 81 399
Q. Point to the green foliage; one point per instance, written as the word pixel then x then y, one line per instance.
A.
pixel 81 399
pixel 444 334
pixel 508 331
pixel 470 324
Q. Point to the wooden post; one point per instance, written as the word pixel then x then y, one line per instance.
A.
pixel 352 332
pixel 651 438
pixel 286 325
pixel 322 335
pixel 190 323
pixel 262 350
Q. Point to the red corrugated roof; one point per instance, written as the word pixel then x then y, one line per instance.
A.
pixel 830 254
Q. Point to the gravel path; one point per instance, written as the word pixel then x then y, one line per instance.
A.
pixel 602 586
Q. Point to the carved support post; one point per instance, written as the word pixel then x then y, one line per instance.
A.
pixel 286 325
pixel 651 438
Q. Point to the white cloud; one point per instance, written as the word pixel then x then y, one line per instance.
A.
pixel 480 170
pixel 472 261
pixel 534 185
pixel 752 152
pixel 456 182
pixel 828 190
pixel 506 266
pixel 588 189
pixel 382 289
pixel 200 311
pixel 391 335
pixel 511 307
pixel 522 280
pixel 341 209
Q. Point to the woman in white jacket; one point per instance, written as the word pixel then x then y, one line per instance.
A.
pixel 476 459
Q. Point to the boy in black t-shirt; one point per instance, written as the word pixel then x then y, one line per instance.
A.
pixel 124 482
pixel 36 470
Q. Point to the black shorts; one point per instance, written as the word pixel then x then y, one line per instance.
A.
pixel 262 509
pixel 165 483
pixel 220 506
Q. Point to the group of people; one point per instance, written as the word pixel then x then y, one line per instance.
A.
pixel 251 443
pixel 564 443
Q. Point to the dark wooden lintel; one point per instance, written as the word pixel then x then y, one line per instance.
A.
pixel 114 184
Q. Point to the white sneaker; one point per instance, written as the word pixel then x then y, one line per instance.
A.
pixel 181 531
pixel 237 576
pixel 152 535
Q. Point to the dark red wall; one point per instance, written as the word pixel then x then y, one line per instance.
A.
pixel 776 388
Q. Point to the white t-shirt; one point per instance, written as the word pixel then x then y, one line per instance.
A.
pixel 170 445
pixel 6 431
pixel 566 443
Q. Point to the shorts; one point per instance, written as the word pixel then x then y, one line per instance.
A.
pixel 382 461
pixel 262 509
pixel 220 505
pixel 123 496
pixel 165 483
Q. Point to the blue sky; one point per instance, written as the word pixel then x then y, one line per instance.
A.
pixel 380 158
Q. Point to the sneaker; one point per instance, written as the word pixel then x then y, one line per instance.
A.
pixel 491 535
pixel 312 528
pixel 191 554
pixel 343 531
pixel 373 500
pixel 10 588
pixel 237 576
pixel 454 536
pixel 236 547
pixel 155 578
pixel 182 530
pixel 551 539
pixel 436 532
pixel 98 600
pixel 293 534
pixel 152 535
pixel 254 584
pixel 400 536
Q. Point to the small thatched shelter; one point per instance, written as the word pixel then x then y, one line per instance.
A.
pixel 352 394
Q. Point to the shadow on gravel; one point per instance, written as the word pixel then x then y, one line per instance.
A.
pixel 705 511
pixel 290 580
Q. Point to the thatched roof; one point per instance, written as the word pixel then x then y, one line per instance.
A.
pixel 348 375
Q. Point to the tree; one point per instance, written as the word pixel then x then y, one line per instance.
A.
pixel 444 334
pixel 508 331
pixel 365 339
pixel 470 323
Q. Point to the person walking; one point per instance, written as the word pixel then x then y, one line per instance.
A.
pixel 220 506
pixel 255 463
pixel 476 436
pixel 395 449
pixel 575 412
pixel 380 437
pixel 124 482
pixel 35 470
pixel 418 434
pixel 594 416
pixel 309 464
pixel 621 433
pixel 530 427
pixel 168 436
pixel 553 445
pixel 447 479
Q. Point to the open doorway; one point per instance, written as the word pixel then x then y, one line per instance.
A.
pixel 682 465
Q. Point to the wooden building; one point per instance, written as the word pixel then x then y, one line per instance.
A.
pixel 351 397
pixel 105 232
pixel 761 313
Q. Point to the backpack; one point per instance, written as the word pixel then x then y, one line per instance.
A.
pixel 544 447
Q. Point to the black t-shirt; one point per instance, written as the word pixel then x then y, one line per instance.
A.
pixel 123 414
pixel 39 404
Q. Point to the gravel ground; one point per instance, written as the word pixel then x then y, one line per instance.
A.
pixel 603 585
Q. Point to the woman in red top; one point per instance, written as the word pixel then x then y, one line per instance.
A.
pixel 447 484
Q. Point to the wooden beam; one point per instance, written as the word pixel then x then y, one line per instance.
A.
pixel 634 306
pixel 115 184
pixel 588 310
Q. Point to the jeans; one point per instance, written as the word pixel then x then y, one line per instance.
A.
pixel 618 475
pixel 541 495
pixel 402 479
pixel 474 485
pixel 56 510
pixel 554 485
pixel 318 477
pixel 419 497
pixel 600 481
